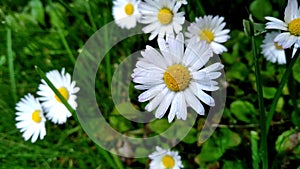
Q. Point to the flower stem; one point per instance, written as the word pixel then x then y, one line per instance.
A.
pixel 11 65
pixel 108 158
pixel 254 149
pixel 263 143
pixel 118 161
pixel 66 45
pixel 107 57
pixel 90 16
pixel 57 93
pixel 283 81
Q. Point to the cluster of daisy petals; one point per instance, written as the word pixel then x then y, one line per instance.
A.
pixel 163 18
pixel 287 34
pixel 176 76
pixel 30 110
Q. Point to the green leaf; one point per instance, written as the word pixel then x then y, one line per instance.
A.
pixel 253 29
pixel 191 137
pixel 210 152
pixel 2 60
pixel 117 120
pixel 296 70
pixel 269 92
pixel 56 12
pixel 120 123
pixel 260 9
pixel 296 118
pixel 228 139
pixel 247 27
pixel 287 141
pixel 243 110
pixel 159 125
pixel 37 10
pixel 233 164
pixel 280 104
pixel 238 71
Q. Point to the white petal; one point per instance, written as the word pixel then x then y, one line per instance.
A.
pixel 164 105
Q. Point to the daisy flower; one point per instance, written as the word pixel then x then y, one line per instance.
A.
pixel 176 78
pixel 30 118
pixel 290 27
pixel 211 30
pixel 162 17
pixel 54 108
pixel 271 50
pixel 126 13
pixel 165 159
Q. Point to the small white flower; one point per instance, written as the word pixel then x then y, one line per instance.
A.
pixel 175 77
pixel 290 27
pixel 165 159
pixel 271 50
pixel 54 108
pixel 162 17
pixel 30 118
pixel 126 13
pixel 210 29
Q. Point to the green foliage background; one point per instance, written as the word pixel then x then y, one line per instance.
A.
pixel 50 34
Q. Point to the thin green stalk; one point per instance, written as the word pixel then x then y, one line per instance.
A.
pixel 200 8
pixel 283 81
pixel 108 158
pixel 292 91
pixel 57 93
pixel 263 143
pixel 91 18
pixel 63 39
pixel 11 65
pixel 107 56
pixel 254 149
pixel 66 45
pixel 117 161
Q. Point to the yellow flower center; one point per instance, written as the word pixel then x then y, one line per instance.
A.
pixel 64 92
pixel 168 161
pixel 278 46
pixel 36 116
pixel 165 16
pixel 129 9
pixel 294 27
pixel 177 77
pixel 206 35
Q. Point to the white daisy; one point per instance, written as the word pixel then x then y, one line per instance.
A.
pixel 30 118
pixel 126 13
pixel 210 29
pixel 165 159
pixel 290 26
pixel 162 17
pixel 176 78
pixel 54 108
pixel 271 50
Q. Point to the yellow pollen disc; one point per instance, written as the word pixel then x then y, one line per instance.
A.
pixel 278 46
pixel 64 92
pixel 168 161
pixel 129 9
pixel 36 116
pixel 165 16
pixel 206 35
pixel 294 27
pixel 177 77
